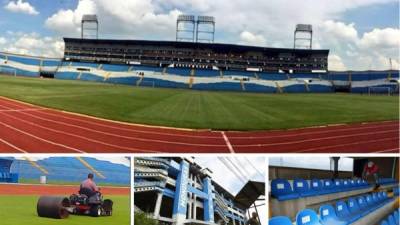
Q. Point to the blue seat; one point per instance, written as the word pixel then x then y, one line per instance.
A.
pixel 346 184
pixel 307 217
pixel 338 184
pixel 328 216
pixel 282 190
pixel 328 186
pixel 280 220
pixel 316 187
pixel 391 220
pixel 370 202
pixel 384 222
pixel 354 208
pixel 301 187
pixel 342 211
pixel 396 216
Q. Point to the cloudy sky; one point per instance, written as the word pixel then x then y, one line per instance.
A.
pixel 361 34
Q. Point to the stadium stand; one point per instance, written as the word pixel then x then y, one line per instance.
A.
pixel 345 212
pixel 203 79
pixel 6 176
pixel 71 169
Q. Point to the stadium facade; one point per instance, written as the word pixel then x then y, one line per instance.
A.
pixel 178 191
pixel 199 66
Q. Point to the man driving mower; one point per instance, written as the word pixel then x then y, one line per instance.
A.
pixel 88 187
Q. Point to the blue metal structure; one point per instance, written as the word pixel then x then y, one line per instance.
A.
pixel 178 191
pixel 5 172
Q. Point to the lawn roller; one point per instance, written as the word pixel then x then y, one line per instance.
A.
pixel 77 204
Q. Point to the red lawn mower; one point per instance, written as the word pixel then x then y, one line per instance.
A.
pixel 77 204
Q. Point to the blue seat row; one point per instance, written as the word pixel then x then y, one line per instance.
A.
pixel 392 219
pixel 282 189
pixel 396 191
pixel 342 214
pixel 387 181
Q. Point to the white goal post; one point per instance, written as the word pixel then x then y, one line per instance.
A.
pixel 8 71
pixel 379 91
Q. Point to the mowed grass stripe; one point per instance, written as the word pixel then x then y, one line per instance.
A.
pixel 200 109
pixel 22 210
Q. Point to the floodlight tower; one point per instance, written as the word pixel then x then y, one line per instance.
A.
pixel 303 34
pixel 205 29
pixel 185 28
pixel 89 27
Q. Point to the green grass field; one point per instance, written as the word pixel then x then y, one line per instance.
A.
pixel 200 109
pixel 16 210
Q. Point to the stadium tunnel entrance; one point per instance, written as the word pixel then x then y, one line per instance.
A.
pixel 47 74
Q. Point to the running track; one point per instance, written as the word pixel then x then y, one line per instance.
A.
pixel 32 189
pixel 26 128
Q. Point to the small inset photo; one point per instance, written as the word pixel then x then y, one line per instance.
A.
pixel 65 190
pixel 201 190
pixel 333 190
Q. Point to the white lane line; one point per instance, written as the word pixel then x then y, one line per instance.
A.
pixel 389 150
pixel 41 139
pixel 12 146
pixel 228 143
pixel 76 136
pixel 317 139
pixel 19 110
pixel 348 144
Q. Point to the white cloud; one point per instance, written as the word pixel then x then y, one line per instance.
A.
pixel 21 7
pixel 3 41
pixel 336 63
pixel 249 38
pixel 387 38
pixel 33 44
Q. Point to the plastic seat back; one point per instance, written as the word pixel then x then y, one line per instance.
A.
pixel 396 216
pixel 346 184
pixel 384 222
pixel 307 217
pixel 338 184
pixel 327 211
pixel 280 187
pixel 328 185
pixel 362 204
pixel 391 220
pixel 353 206
pixel 300 186
pixel 280 220
pixel 368 199
pixel 316 185
pixel 375 198
pixel 341 209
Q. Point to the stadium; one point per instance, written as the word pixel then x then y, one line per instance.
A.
pixel 23 180
pixel 192 95
pixel 180 191
pixel 335 190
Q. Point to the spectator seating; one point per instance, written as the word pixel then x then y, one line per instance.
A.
pixel 392 219
pixel 282 189
pixel 344 212
pixel 280 220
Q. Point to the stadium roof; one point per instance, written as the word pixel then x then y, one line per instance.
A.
pixel 179 44
pixel 250 193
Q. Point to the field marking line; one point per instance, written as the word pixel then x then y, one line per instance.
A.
pixel 103 119
pixel 316 139
pixel 77 136
pixel 366 126
pixel 389 150
pixel 228 143
pixel 121 136
pixel 13 146
pixel 41 139
pixel 340 145
pixel 19 110
pixel 172 128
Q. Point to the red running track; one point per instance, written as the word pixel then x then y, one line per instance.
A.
pixel 26 128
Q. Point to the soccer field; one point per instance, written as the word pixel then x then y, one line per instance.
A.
pixel 22 210
pixel 200 109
